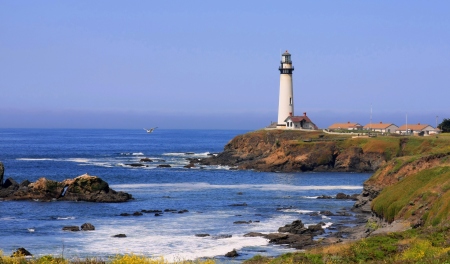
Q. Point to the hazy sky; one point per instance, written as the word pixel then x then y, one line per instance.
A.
pixel 214 64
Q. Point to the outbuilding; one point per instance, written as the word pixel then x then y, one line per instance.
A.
pixel 300 122
pixel 416 129
pixel 381 127
pixel 345 126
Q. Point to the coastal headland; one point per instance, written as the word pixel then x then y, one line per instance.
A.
pixel 409 188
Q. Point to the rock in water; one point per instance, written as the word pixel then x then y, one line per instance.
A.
pixel 232 254
pixel 71 228
pixel 87 227
pixel 82 188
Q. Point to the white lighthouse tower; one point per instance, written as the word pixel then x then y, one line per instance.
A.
pixel 286 99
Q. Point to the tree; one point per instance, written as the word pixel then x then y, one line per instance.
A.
pixel 445 125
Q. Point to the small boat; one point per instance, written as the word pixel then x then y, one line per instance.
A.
pixel 150 130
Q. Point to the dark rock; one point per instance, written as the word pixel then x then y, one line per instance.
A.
pixel 87 227
pixel 158 214
pixel 342 213
pixel 242 222
pixel 324 197
pixel 71 228
pixel 21 252
pixel 82 188
pixel 151 211
pixel 240 193
pixel 137 214
pixel 239 204
pixel 201 235
pixel 10 183
pixel 316 229
pixel 164 166
pixel 342 196
pixel 170 210
pixel 326 213
pixel 124 214
pixel 232 254
pixel 183 211
pixel 190 165
pixel 254 234
pixel 296 227
pixel 25 183
pixel 145 160
pixel 293 240
pixel 136 165
pixel 120 235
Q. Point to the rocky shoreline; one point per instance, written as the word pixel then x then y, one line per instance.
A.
pixel 294 151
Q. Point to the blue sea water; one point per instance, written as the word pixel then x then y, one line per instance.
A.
pixel 209 193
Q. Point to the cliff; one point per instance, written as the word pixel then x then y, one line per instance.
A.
pixel 289 151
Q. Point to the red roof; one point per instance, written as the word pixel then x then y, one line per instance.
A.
pixel 297 119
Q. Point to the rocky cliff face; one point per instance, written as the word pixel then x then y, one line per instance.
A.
pixel 82 188
pixel 422 179
pixel 288 151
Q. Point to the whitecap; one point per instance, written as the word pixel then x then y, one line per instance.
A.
pixel 65 218
pixel 296 211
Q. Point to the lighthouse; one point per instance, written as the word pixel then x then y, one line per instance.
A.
pixel 286 99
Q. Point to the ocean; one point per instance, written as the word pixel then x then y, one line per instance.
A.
pixel 213 197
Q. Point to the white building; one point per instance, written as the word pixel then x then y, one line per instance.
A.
pixel 286 98
pixel 345 126
pixel 300 122
pixel 416 129
pixel 382 127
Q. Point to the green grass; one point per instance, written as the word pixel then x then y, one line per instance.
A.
pixel 428 190
pixel 424 245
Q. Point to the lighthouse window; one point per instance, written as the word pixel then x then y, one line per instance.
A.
pixel 290 101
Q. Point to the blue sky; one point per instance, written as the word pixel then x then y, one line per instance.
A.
pixel 214 64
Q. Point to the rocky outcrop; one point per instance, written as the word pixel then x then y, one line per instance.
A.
pixel 289 151
pixel 232 254
pixel 82 188
pixel 295 235
pixel 21 252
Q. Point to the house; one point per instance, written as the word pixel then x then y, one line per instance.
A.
pixel 417 129
pixel 381 127
pixel 300 122
pixel 345 126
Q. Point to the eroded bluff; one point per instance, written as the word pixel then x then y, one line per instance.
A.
pixel 289 151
